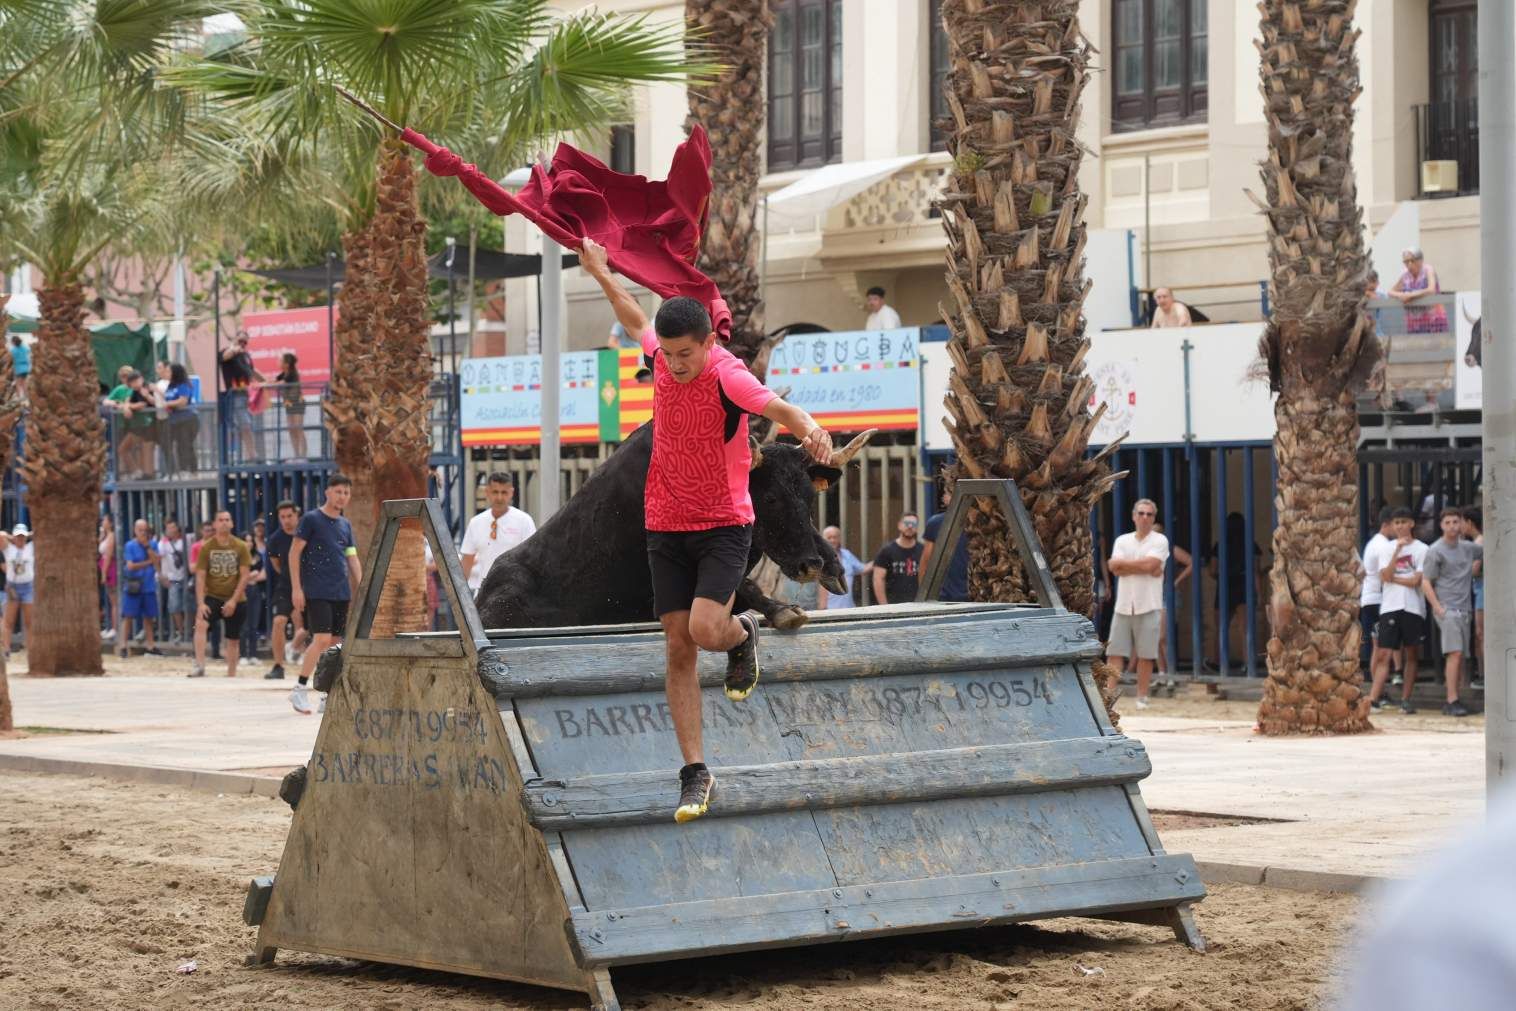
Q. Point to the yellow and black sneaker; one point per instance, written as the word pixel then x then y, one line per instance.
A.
pixel 742 662
pixel 696 784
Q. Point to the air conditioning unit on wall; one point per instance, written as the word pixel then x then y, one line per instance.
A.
pixel 1439 177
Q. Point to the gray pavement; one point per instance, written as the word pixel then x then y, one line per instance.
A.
pixel 1370 805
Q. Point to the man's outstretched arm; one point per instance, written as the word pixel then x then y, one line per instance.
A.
pixel 592 257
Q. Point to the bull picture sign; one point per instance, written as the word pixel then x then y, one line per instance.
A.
pixel 853 380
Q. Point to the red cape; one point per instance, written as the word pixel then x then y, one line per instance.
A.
pixel 650 229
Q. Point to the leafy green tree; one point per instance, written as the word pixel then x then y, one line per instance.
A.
pixel 493 78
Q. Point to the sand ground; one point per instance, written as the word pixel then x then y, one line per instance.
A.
pixel 107 887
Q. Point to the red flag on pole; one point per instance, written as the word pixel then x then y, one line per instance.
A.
pixel 650 229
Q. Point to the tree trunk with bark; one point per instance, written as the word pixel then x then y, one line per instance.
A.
pixel 733 33
pixel 10 414
pixel 1320 350
pixel 379 406
pixel 63 471
pixel 1013 214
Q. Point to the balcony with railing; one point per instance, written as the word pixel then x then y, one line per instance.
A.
pixel 279 426
pixel 1448 132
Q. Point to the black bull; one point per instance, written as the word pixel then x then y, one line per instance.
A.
pixel 588 564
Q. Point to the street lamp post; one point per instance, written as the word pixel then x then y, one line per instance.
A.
pixel 1497 242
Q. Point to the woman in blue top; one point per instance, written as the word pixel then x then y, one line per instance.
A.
pixel 183 422
pixel 21 363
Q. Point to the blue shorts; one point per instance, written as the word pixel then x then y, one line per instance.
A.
pixel 21 593
pixel 140 605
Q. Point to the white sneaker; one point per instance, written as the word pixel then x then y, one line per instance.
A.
pixel 321 706
pixel 107 635
pixel 1142 702
pixel 248 661
pixel 300 699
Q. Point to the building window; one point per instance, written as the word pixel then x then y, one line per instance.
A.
pixel 805 84
pixel 624 149
pixel 937 106
pixel 1161 63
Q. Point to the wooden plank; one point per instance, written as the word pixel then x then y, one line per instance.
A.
pixel 628 935
pixel 933 610
pixel 402 648
pixel 450 577
pixel 607 666
pixel 403 508
pixel 1040 767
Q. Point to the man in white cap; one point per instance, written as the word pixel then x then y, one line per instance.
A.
pixel 20 570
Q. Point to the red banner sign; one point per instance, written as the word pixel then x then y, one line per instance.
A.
pixel 302 332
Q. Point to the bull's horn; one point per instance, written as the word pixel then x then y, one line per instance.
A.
pixel 841 458
pixel 1464 308
pixel 757 453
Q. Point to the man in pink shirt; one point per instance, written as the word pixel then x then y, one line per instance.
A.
pixel 698 512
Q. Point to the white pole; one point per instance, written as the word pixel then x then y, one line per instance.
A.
pixel 1497 247
pixel 552 324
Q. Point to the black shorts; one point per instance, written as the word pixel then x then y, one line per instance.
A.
pixel 325 617
pixel 283 605
pixel 696 563
pixel 1401 629
pixel 231 624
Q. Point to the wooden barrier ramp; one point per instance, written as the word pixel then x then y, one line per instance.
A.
pixel 502 804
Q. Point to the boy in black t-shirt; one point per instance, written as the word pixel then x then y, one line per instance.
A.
pixel 285 615
pixel 897 566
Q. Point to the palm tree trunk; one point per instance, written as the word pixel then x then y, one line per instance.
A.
pixel 65 461
pixel 732 110
pixel 10 414
pixel 380 404
pixel 1014 222
pixel 1320 349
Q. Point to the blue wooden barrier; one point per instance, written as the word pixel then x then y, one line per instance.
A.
pixel 501 803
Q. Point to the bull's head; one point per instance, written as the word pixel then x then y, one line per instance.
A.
pixel 783 484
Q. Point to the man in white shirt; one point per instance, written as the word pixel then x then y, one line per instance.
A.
pixel 20 570
pixel 881 316
pixel 1138 560
pixel 1373 587
pixel 495 531
pixel 1402 609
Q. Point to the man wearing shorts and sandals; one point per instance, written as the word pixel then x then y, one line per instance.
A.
pixel 1138 560
pixel 324 570
pixel 698 529
pixel 1402 609
pixel 1448 583
pixel 222 570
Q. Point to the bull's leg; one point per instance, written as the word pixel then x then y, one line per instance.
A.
pixel 785 617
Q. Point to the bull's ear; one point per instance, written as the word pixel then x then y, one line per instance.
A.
pixel 757 453
pixel 822 476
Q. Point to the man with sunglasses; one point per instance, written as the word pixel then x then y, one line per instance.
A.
pixel 1138 560
pixel 897 566
pixel 494 531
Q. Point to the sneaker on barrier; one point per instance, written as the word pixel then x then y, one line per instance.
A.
pixel 300 699
pixel 696 785
pixel 275 673
pixel 742 662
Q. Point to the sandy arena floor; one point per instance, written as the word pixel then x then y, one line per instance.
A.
pixel 106 888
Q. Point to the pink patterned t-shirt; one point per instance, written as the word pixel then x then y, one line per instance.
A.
pixel 698 476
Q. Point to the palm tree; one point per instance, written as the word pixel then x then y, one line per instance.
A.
pixel 80 168
pixel 732 109
pixel 10 414
pixel 495 78
pixel 1013 216
pixel 1320 348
